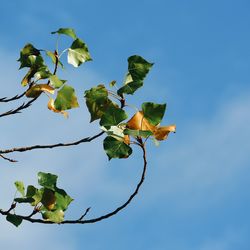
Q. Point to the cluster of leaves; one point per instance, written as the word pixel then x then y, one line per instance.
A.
pixel 106 106
pixel 143 124
pixel 38 71
pixel 49 200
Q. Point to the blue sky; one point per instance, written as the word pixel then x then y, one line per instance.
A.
pixel 195 196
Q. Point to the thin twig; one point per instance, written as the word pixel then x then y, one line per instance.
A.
pixel 7 159
pixel 19 109
pixel 23 149
pixel 86 212
pixel 16 97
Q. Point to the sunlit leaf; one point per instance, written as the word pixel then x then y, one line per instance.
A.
pixel 51 106
pixel 56 216
pixel 78 53
pixel 139 122
pixel 14 219
pixel 153 112
pixel 42 73
pixel 66 98
pixel 37 89
pixel 47 180
pixel 35 194
pixel 117 133
pixel 113 116
pixel 20 187
pixel 115 148
pixel 66 31
pixel 97 101
pixel 56 82
pixel 161 133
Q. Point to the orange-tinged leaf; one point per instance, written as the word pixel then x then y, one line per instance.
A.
pixel 126 139
pixel 51 107
pixel 37 89
pixel 161 133
pixel 139 122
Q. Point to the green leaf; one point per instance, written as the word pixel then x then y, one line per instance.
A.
pixel 66 31
pixel 48 198
pixel 115 148
pixel 14 219
pixel 62 199
pixel 28 55
pixel 137 133
pixel 32 61
pixel 28 77
pixel 56 82
pixel 56 216
pixel 153 112
pixel 112 83
pixel 35 194
pixel 53 57
pixel 47 180
pixel 97 101
pixel 138 68
pixel 66 98
pixel 24 200
pixel 20 187
pixel 78 53
pixel 42 73
pixel 113 116
pixel 130 88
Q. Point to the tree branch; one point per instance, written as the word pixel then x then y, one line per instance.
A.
pixel 97 219
pixel 16 97
pixel 23 149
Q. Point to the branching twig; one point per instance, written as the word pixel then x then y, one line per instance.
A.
pixel 97 219
pixel 18 109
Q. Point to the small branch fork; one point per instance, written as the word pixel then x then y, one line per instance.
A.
pixel 81 220
pixel 16 97
pixel 19 109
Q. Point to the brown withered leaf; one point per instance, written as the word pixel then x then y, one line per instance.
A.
pixel 139 122
pixel 161 133
pixel 37 89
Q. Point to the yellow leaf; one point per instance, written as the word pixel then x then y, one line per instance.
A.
pixel 139 122
pixel 51 106
pixel 126 139
pixel 37 89
pixel 161 133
